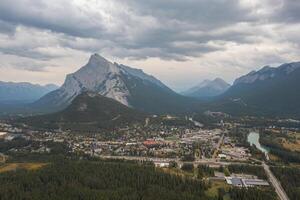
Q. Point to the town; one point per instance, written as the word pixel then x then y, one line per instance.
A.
pixel 166 146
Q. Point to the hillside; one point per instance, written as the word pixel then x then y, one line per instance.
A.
pixel 269 91
pixel 89 112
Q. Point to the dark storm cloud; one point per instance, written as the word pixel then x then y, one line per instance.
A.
pixel 63 17
pixel 7 28
pixel 168 29
pixel 27 53
pixel 174 21
pixel 195 13
pixel 288 12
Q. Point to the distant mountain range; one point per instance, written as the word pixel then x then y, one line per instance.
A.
pixel 89 111
pixel 269 91
pixel 12 93
pixel 266 92
pixel 131 87
pixel 207 88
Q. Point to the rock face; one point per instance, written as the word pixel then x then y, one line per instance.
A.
pixel 208 88
pixel 24 92
pixel 129 86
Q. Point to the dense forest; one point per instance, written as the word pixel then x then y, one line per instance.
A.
pixel 252 194
pixel 98 180
pixel 290 180
pixel 248 169
pixel 70 176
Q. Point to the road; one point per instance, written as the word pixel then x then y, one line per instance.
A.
pixel 276 184
pixel 208 161
pixel 218 146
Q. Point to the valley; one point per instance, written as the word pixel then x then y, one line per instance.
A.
pixel 149 100
pixel 214 153
pixel 109 114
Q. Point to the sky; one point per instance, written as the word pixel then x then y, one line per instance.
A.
pixel 181 42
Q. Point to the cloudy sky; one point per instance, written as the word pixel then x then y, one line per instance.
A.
pixel 182 42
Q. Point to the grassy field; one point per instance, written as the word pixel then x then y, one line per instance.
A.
pixel 293 146
pixel 14 166
pixel 215 185
pixel 2 158
pixel 274 158
pixel 178 172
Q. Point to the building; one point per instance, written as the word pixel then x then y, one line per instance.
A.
pixel 254 182
pixel 234 181
pixel 222 156
pixel 3 134
pixel 241 182
pixel 161 164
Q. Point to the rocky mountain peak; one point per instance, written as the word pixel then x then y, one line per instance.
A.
pixel 103 77
pixel 97 59
pixel 290 67
pixel 208 88
pixel 268 72
pixel 220 81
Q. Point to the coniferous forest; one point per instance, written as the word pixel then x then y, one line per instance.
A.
pixel 112 180
pixel 290 180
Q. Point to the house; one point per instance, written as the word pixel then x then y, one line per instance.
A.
pixel 222 156
pixel 161 164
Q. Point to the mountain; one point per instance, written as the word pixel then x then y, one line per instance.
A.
pixel 11 93
pixel 207 88
pixel 269 91
pixel 89 111
pixel 131 87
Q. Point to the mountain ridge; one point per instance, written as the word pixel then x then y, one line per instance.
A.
pixel 23 92
pixel 131 87
pixel 207 88
pixel 269 91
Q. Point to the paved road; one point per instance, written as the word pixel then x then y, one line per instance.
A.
pixel 208 161
pixel 218 146
pixel 276 184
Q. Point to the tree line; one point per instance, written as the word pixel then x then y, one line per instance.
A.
pixel 109 180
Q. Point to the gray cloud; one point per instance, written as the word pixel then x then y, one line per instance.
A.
pixel 170 29
pixel 288 11
pixel 195 13
pixel 143 28
pixel 28 53
pixel 57 16
pixel 7 28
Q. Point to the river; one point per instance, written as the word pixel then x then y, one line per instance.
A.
pixel 253 138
